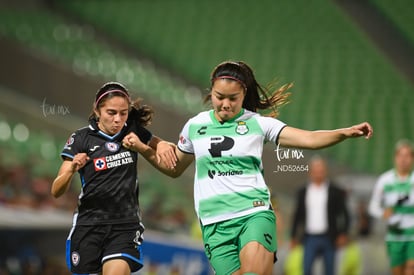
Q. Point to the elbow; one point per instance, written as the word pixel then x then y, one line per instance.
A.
pixel 375 212
pixel 174 173
pixel 55 193
pixel 174 176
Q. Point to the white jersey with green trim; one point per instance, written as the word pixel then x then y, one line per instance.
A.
pixel 228 181
pixel 392 192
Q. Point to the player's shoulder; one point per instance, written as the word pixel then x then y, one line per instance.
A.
pixel 387 176
pixel 388 173
pixel 201 117
pixel 76 136
pixel 80 134
pixel 253 116
pixel 248 114
pixel 83 131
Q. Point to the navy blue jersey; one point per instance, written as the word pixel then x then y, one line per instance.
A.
pixel 109 179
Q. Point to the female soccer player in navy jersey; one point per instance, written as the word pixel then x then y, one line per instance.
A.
pixel 107 230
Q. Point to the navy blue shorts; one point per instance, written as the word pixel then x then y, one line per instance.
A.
pixel 88 247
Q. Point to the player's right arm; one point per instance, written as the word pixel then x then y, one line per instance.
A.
pixel 170 162
pixel 375 207
pixel 68 168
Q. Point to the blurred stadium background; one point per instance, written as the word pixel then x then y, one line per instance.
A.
pixel 350 61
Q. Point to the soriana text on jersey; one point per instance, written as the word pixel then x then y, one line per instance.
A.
pixel 112 161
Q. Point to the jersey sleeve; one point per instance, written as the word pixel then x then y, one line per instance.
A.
pixel 135 126
pixel 73 146
pixel 184 141
pixel 271 128
pixel 375 208
pixel 144 134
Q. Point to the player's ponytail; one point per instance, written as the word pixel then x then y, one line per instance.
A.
pixel 140 113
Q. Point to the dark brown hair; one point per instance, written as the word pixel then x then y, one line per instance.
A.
pixel 137 112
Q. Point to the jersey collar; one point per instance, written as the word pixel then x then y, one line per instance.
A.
pixel 407 179
pixel 215 120
pixel 93 125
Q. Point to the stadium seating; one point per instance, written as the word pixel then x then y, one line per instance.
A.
pixel 400 13
pixel 340 77
pixel 79 47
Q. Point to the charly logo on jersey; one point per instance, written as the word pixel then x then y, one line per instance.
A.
pixel 112 146
pixel 202 130
pixel 242 128
pixel 212 173
pixel 75 258
pixel 113 161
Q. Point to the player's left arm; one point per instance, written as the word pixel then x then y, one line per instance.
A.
pixel 163 156
pixel 294 137
pixel 166 151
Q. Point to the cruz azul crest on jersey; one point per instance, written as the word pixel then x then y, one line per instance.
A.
pixel 242 128
pixel 100 164
pixel 112 146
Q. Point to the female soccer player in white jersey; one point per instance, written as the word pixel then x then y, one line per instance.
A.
pixel 393 200
pixel 231 198
pixel 107 231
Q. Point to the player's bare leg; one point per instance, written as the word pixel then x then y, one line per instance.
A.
pixel 255 259
pixel 409 268
pixel 116 267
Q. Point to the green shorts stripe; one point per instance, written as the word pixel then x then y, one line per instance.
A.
pixel 224 240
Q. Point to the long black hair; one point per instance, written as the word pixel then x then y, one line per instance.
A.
pixel 257 98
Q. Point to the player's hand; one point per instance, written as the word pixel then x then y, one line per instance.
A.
pixel 79 161
pixel 387 213
pixel 131 141
pixel 362 129
pixel 166 154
